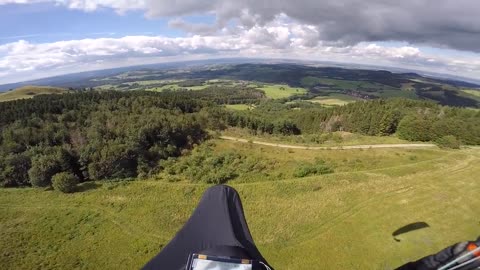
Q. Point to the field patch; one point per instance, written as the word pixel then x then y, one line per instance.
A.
pixel 176 87
pixel 239 107
pixel 334 99
pixel 277 91
pixel 26 92
pixel 310 81
pixel 472 92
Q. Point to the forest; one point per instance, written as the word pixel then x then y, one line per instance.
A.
pixel 94 135
pixel 409 119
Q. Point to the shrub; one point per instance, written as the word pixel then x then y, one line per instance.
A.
pixel 337 138
pixel 220 177
pixel 46 162
pixel 43 168
pixel 65 182
pixel 14 170
pixel 307 169
pixel 415 128
pixel 304 170
pixel 323 169
pixel 204 165
pixel 448 141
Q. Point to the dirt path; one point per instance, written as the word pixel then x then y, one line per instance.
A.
pixel 366 146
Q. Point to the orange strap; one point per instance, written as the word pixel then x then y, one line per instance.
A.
pixel 471 247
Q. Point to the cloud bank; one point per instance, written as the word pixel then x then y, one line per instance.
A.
pixel 367 32
pixel 441 23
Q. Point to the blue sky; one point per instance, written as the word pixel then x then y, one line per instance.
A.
pixel 46 22
pixel 41 38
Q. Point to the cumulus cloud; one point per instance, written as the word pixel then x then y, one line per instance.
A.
pixel 23 59
pixel 88 5
pixel 197 28
pixel 441 23
pixel 335 30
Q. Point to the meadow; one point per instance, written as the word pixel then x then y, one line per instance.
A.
pixel 341 220
pixel 175 87
pixel 26 92
pixel 238 107
pixel 277 91
pixel 334 99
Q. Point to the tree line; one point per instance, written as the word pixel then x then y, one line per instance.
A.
pixel 411 119
pixel 94 135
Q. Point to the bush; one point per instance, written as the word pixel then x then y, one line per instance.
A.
pixel 46 162
pixel 65 182
pixel 448 141
pixel 220 177
pixel 416 128
pixel 42 170
pixel 203 164
pixel 307 169
pixel 14 170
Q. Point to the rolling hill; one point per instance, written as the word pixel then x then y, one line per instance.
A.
pixel 321 82
pixel 29 92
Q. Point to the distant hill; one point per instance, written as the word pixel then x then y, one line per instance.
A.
pixel 318 81
pixel 88 78
pixel 30 91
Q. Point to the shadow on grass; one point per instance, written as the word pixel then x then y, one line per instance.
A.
pixel 408 228
pixel 88 186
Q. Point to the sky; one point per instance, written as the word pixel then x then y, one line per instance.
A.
pixel 42 38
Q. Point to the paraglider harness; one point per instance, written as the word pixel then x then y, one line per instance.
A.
pixel 204 262
pixel 216 237
pixel 461 256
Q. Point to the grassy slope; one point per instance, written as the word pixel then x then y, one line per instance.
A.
pixel 339 221
pixel 30 92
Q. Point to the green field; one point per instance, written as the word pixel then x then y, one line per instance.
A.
pixel 334 99
pixel 152 82
pixel 278 91
pixel 175 87
pixel 396 94
pixel 472 92
pixel 161 85
pixel 238 107
pixel 106 87
pixel 29 92
pixel 344 84
pixel 342 220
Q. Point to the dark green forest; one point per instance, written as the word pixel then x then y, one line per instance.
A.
pixel 104 135
pixel 94 135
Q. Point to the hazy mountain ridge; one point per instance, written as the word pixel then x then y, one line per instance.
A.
pixel 83 79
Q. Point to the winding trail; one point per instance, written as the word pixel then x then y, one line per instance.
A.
pixel 365 146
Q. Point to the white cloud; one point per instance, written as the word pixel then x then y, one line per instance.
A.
pixel 88 5
pixel 23 60
pixel 441 23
